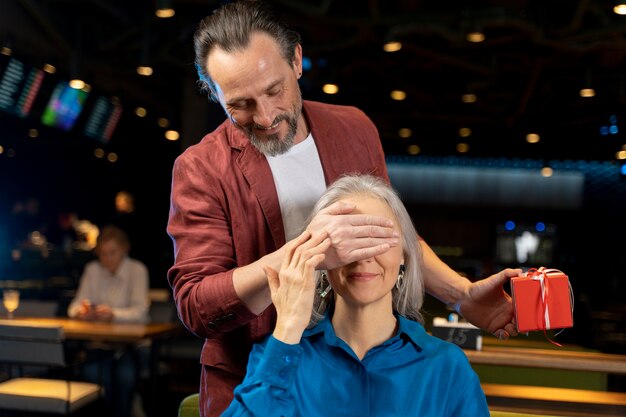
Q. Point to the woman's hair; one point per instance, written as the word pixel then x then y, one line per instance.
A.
pixel 113 233
pixel 409 295
pixel 230 28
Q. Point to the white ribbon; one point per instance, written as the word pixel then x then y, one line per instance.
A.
pixel 540 276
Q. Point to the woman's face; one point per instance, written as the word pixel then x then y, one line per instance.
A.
pixel 369 281
pixel 111 254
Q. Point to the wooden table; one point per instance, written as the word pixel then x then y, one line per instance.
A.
pixel 548 359
pixel 100 331
pixel 113 333
pixel 548 400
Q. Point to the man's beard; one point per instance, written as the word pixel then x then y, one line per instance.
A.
pixel 272 144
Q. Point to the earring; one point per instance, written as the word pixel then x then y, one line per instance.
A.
pixel 400 277
pixel 325 284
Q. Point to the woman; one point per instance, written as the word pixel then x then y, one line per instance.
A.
pixel 365 352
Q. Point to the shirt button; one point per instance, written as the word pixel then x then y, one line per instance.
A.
pixel 287 359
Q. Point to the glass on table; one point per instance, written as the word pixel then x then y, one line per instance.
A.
pixel 11 301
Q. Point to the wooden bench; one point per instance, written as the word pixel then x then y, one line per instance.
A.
pixel 554 401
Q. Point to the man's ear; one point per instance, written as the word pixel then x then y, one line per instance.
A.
pixel 297 60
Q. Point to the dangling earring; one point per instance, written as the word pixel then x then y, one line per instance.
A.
pixel 400 276
pixel 325 285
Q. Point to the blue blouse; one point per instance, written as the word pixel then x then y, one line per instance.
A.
pixel 411 374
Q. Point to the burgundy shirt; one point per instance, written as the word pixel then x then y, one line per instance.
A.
pixel 225 213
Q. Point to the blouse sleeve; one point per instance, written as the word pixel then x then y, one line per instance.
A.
pixel 272 368
pixel 468 399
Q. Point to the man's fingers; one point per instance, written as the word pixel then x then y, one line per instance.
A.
pixel 338 207
pixel 367 252
pixel 511 329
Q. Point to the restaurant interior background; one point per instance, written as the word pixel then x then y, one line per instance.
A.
pixel 504 124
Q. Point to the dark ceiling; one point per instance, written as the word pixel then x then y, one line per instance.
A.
pixel 526 74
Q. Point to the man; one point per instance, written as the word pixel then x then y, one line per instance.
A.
pixel 247 188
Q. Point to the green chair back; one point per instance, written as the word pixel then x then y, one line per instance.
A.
pixel 189 406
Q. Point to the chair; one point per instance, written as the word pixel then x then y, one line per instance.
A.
pixel 189 406
pixel 27 347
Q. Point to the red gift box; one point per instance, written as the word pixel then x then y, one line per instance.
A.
pixel 542 299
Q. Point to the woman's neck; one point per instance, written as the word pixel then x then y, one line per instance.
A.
pixel 363 328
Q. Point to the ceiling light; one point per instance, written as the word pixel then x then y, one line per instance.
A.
pixel 620 9
pixel 465 132
pixel 475 36
pixel 587 92
pixel 144 70
pixel 49 68
pixel 468 98
pixel 462 147
pixel 330 88
pixel 405 132
pixel 413 149
pixel 77 84
pixel 398 95
pixel 532 138
pixel 392 46
pixel 141 112
pixel 163 122
pixel 620 155
pixel 546 172
pixel 171 135
pixel 164 9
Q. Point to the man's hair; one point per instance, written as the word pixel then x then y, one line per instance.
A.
pixel 408 296
pixel 230 28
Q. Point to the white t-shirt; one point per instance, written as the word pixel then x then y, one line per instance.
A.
pixel 300 182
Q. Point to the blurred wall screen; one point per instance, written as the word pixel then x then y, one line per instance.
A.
pixel 64 106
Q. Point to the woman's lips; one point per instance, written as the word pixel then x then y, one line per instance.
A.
pixel 362 276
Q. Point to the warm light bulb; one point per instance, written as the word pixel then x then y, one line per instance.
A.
pixel 465 132
pixel 468 98
pixel 172 135
pixel 405 132
pixel 398 95
pixel 587 92
pixel 144 70
pixel 620 9
pixel 475 37
pixel 330 88
pixel 77 84
pixel 392 46
pixel 165 13
pixel 532 138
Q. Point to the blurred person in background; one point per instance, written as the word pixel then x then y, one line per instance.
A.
pixel 114 288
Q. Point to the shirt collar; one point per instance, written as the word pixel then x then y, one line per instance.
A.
pixel 407 329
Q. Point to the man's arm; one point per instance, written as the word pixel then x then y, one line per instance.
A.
pixel 353 237
pixel 215 288
pixel 483 303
